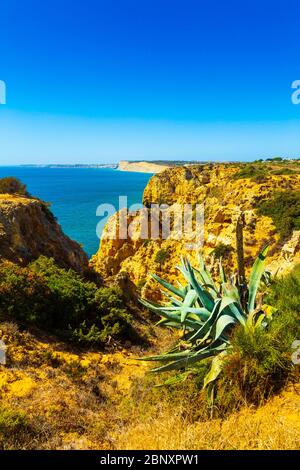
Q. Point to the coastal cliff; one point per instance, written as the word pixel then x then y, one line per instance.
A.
pixel 28 230
pixel 225 196
pixel 142 167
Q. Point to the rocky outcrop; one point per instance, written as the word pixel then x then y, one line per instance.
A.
pixel 223 197
pixel 142 167
pixel 28 229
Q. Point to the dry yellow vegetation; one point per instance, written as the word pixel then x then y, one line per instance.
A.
pixel 71 399
pixel 276 425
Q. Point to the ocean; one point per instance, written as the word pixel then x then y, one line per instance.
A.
pixel 75 194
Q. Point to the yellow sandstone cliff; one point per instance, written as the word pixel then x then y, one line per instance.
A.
pixel 224 198
pixel 28 229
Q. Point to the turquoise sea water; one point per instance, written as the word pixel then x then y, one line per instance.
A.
pixel 75 194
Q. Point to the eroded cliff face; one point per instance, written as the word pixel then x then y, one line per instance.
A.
pixel 224 199
pixel 28 229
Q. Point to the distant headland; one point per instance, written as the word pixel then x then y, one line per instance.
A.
pixel 74 165
pixel 140 166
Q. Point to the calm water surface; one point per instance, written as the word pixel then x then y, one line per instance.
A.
pixel 75 194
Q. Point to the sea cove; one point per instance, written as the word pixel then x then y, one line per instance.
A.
pixel 75 194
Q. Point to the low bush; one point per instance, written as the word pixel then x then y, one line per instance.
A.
pixel 11 185
pixel 257 173
pixel 24 295
pixel 59 300
pixel 284 171
pixel 284 210
pixel 161 256
pixel 71 295
pixel 14 428
pixel 222 251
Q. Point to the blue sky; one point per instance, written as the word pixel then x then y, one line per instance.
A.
pixel 98 81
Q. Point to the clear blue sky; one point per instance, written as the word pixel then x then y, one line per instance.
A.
pixel 103 80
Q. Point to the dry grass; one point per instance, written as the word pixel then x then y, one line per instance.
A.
pixel 53 397
pixel 273 426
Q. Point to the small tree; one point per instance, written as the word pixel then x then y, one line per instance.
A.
pixel 11 185
pixel 161 256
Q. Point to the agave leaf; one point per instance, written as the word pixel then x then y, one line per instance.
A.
pixel 183 288
pixel 205 272
pixel 213 292
pixel 158 309
pixel 183 269
pixel 229 307
pixel 255 277
pixel 189 301
pixel 171 314
pixel 177 325
pixel 216 368
pixel 199 313
pixel 222 323
pixel 167 357
pixel 230 290
pixel 205 329
pixel 194 324
pixel 192 359
pixel 169 286
pixel 204 296
pixel 171 299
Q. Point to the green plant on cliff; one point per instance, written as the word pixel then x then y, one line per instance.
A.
pixel 207 313
pixel 256 173
pixel 284 209
pixel 222 250
pixel 161 256
pixel 11 185
pixel 63 302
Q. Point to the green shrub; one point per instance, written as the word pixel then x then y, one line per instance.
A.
pixel 72 296
pixel 222 250
pixel 284 171
pixel 11 185
pixel 113 320
pixel 24 294
pixel 12 422
pixel 161 256
pixel 284 209
pixel 141 283
pixel 61 301
pixel 256 173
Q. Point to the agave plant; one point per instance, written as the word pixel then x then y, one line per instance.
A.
pixel 207 312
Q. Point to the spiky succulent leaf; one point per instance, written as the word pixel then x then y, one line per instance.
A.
pixel 223 322
pixel 216 368
pixel 191 359
pixel 189 301
pixel 204 296
pixel 255 277
pixel 169 286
